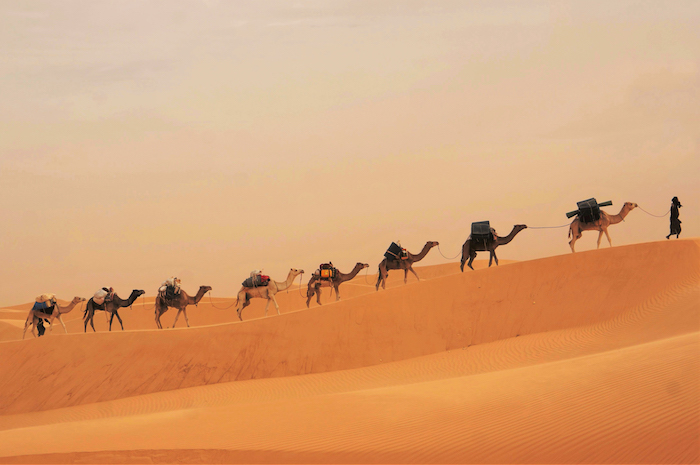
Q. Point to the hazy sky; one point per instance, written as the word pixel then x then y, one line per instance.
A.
pixel 141 140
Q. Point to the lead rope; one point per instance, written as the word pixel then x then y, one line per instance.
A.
pixel 219 308
pixel 656 216
pixel 548 227
pixel 452 258
pixel 367 274
pixel 143 303
pixel 301 275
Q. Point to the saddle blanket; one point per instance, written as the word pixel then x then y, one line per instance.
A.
pixel 258 281
pixel 43 307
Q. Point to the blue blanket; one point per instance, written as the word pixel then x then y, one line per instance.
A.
pixel 43 307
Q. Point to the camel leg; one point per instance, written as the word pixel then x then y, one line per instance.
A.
pixel 309 294
pixel 26 324
pixel 574 233
pixel 90 315
pixel 412 271
pixel 493 254
pixel 62 323
pixel 600 236
pixel 274 301
pixel 187 320
pixel 240 310
pixel 608 236
pixel 158 313
pixel 466 252
pixel 337 293
pixel 318 295
pixel 116 313
pixel 383 274
pixel 472 256
pixel 177 316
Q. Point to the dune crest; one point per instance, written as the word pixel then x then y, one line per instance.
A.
pixel 589 357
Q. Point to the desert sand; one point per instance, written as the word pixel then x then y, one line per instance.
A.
pixel 591 357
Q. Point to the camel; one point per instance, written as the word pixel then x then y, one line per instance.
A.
pixel 601 225
pixel 264 292
pixel 112 307
pixel 35 315
pixel 469 248
pixel 406 265
pixel 316 283
pixel 180 301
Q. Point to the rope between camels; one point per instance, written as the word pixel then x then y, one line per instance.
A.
pixel 219 308
pixel 449 258
pixel 143 303
pixel 650 214
pixel 366 274
pixel 548 227
pixel 301 277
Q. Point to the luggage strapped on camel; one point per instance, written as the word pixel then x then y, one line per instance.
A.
pixel 482 232
pixel 170 288
pixel 258 280
pixel 588 210
pixel 396 252
pixel 327 271
pixel 45 303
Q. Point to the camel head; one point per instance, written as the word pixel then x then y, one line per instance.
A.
pixel 295 272
pixel 432 244
pixel 362 265
pixel 77 300
pixel 205 288
pixel 629 206
pixel 137 293
pixel 520 227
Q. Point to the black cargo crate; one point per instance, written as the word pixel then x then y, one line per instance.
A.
pixel 588 211
pixel 481 231
pixel 393 252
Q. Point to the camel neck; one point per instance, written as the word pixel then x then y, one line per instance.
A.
pixel 614 219
pixel 67 308
pixel 352 274
pixel 509 237
pixel 200 293
pixel 422 253
pixel 286 283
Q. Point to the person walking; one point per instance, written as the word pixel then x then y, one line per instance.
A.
pixel 675 221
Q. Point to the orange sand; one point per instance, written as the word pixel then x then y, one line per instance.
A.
pixel 588 357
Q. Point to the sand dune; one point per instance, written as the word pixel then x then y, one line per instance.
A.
pixel 589 357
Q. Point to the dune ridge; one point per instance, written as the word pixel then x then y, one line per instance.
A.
pixel 507 364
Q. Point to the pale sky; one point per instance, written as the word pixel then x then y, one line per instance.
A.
pixel 203 139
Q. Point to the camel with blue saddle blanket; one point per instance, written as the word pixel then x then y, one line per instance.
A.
pixel 48 310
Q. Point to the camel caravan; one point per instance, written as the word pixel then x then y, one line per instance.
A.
pixel 483 238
